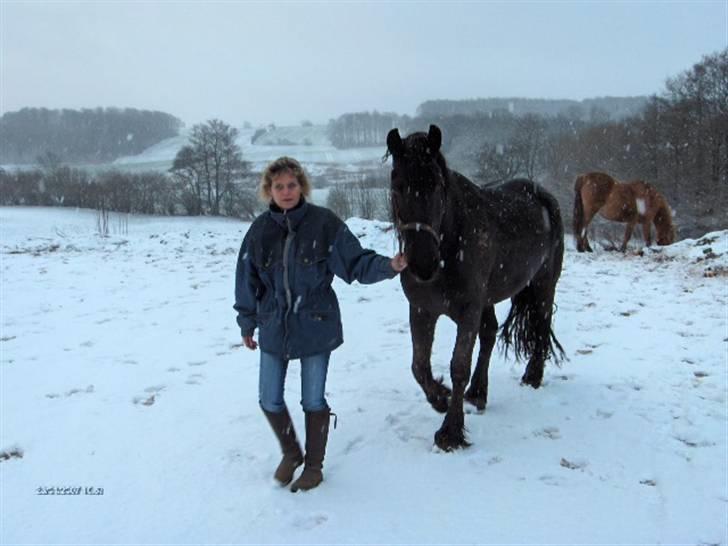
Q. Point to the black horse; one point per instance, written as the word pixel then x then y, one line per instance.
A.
pixel 469 248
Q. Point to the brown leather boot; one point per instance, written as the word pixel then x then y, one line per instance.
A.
pixel 317 432
pixel 292 455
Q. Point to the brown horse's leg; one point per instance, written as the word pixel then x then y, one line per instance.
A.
pixel 627 235
pixel 647 232
pixel 588 217
pixel 452 432
pixel 422 328
pixel 477 393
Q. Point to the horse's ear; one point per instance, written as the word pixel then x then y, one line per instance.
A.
pixel 394 142
pixel 434 139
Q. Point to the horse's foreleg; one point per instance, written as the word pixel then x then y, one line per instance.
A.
pixel 627 235
pixel 647 232
pixel 452 432
pixel 422 328
pixel 477 393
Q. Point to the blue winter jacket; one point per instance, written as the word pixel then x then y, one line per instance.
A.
pixel 286 265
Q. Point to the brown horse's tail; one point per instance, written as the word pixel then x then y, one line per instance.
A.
pixel 578 208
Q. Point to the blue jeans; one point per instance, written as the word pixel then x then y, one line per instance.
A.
pixel 272 380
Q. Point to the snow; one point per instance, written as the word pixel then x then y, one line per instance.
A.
pixel 315 157
pixel 122 369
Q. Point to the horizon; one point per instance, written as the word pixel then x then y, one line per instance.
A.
pixel 299 122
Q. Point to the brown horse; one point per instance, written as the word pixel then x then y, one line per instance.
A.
pixel 626 202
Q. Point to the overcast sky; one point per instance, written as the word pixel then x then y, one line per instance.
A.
pixel 288 61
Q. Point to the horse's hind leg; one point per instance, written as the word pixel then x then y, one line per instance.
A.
pixel 582 238
pixel 536 302
pixel 477 393
pixel 540 330
pixel 627 235
pixel 422 328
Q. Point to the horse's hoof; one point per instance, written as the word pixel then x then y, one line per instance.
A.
pixel 477 400
pixel 450 442
pixel 534 382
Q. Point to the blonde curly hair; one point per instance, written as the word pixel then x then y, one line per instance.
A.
pixel 279 166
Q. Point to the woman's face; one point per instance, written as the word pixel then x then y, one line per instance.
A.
pixel 285 190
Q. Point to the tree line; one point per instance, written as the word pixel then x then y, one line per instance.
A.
pixel 595 109
pixel 678 142
pixel 360 129
pixel 208 177
pixel 89 135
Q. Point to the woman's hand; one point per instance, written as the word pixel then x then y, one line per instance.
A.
pixel 399 262
pixel 250 343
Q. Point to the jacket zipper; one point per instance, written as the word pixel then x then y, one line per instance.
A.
pixel 287 284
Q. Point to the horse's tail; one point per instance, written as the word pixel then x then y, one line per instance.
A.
pixel 578 207
pixel 528 327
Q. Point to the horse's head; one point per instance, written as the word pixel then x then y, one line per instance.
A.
pixel 664 227
pixel 419 185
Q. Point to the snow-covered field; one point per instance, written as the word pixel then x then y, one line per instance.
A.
pixel 122 370
pixel 316 157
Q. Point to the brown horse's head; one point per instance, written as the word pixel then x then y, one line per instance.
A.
pixel 419 183
pixel 664 226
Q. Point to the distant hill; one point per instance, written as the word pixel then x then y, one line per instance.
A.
pixel 89 135
pixel 601 108
pixel 301 135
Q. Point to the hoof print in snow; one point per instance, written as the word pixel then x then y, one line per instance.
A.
pixel 145 401
pixel 550 480
pixel 11 453
pixel 310 522
pixel 573 465
pixel 194 379
pixel 354 445
pixel 700 374
pixel 552 433
pixel 87 390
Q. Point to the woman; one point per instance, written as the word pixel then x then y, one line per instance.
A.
pixel 285 268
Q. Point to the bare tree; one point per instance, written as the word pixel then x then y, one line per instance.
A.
pixel 211 169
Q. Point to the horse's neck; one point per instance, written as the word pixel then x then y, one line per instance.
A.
pixel 458 190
